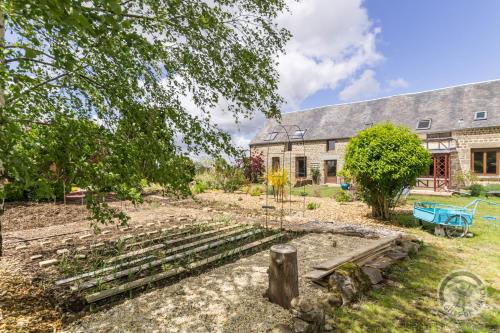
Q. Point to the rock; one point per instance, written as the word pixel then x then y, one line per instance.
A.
pixel 374 274
pixel 95 246
pixel 469 235
pixel 350 281
pixel 139 226
pixel 80 256
pixel 62 251
pixel 409 246
pixel 36 257
pixel 393 284
pixel 49 262
pixel 67 240
pixel 21 247
pixel 81 248
pixel 331 301
pixel 410 238
pixel 85 236
pixel 381 263
pixel 301 326
pixel 307 309
pixel 106 232
pixel 396 254
pixel 281 328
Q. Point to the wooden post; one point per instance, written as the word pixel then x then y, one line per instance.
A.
pixel 283 275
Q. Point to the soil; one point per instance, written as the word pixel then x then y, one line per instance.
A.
pixel 225 299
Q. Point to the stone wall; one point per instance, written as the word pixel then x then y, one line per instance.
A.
pixel 315 151
pixel 471 139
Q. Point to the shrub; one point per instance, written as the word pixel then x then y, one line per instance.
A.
pixel 343 196
pixel 476 190
pixel 253 167
pixel 198 187
pixel 316 175
pixel 255 191
pixel 383 159
pixel 313 205
pixel 466 178
pixel 278 179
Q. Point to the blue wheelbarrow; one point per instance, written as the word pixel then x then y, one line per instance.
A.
pixel 456 220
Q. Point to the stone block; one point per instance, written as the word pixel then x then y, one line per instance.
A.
pixel 374 274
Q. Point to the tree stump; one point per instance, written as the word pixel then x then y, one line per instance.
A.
pixel 283 275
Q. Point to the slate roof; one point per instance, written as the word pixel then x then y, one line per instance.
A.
pixel 450 109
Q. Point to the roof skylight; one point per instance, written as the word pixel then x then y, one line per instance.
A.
pixel 480 115
pixel 424 124
pixel 271 136
pixel 298 134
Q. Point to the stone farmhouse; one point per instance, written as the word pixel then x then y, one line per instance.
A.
pixel 459 125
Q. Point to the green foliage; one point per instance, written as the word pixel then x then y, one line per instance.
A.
pixel 382 160
pixel 94 90
pixel 312 205
pixel 316 175
pixel 476 190
pixel 198 187
pixel 343 196
pixel 464 179
pixel 255 190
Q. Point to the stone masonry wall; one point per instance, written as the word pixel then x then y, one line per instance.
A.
pixel 315 151
pixel 471 139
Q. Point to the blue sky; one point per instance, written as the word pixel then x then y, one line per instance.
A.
pixel 427 45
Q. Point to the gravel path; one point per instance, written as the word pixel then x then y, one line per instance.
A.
pixel 225 299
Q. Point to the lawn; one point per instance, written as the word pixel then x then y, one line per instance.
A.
pixel 323 191
pixel 412 305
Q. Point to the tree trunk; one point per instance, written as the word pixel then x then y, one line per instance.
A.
pixel 2 105
pixel 283 275
pixel 2 208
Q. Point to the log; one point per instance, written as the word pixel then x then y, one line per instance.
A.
pixel 283 275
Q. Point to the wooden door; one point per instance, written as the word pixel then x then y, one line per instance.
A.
pixel 331 171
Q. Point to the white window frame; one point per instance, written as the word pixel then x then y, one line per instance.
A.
pixel 424 128
pixel 483 118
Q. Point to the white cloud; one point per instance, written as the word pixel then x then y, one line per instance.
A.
pixel 398 83
pixel 332 41
pixel 365 86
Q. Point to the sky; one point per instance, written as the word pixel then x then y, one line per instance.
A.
pixel 351 50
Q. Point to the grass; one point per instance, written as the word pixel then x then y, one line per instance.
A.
pixel 323 191
pixel 413 306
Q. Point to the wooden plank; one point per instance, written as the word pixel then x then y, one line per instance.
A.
pixel 335 262
pixel 164 244
pixel 155 263
pixel 102 270
pixel 152 240
pixel 360 254
pixel 163 275
pixel 131 263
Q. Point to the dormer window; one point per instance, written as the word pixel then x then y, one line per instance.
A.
pixel 298 134
pixel 480 115
pixel 424 124
pixel 271 136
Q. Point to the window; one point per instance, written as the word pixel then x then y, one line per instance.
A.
pixel 271 136
pixel 485 162
pixel 301 167
pixel 288 146
pixel 275 163
pixel 298 134
pixel 424 124
pixel 480 115
pixel 439 135
pixel 331 168
pixel 330 145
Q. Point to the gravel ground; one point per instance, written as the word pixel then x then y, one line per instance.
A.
pixel 226 299
pixel 329 210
